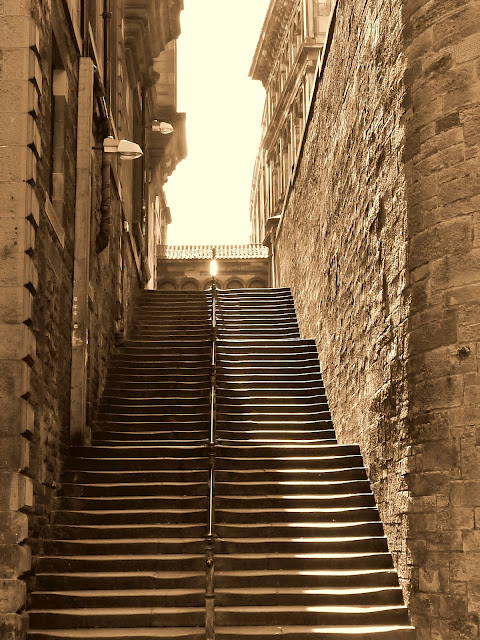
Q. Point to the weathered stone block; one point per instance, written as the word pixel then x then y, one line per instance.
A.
pixel 13 626
pixel 15 560
pixel 13 594
pixel 14 527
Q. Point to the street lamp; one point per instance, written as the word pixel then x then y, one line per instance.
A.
pixel 124 148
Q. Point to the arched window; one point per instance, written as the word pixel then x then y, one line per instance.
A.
pixel 257 283
pixel 166 285
pixel 235 284
pixel 190 285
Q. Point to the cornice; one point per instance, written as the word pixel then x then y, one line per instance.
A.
pixel 271 38
pixel 149 26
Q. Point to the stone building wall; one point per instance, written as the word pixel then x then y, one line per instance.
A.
pixel 42 55
pixel 379 242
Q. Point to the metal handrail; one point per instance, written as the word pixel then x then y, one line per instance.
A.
pixel 210 537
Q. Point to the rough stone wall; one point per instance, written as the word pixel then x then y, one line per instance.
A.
pixel 379 242
pixel 53 259
pixel 342 247
pixel 36 271
pixel 442 168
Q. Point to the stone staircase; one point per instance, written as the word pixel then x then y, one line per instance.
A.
pixel 126 557
pixel 299 552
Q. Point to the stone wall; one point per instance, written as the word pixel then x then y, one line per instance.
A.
pixel 39 60
pixel 442 169
pixel 378 241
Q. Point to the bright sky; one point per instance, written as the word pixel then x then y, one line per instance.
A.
pixel 209 192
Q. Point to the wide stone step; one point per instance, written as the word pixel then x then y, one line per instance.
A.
pixel 121 580
pixel 300 546
pixel 131 517
pixel 90 531
pixel 146 633
pixel 288 596
pixel 292 578
pixel 243 462
pixel 124 489
pixel 234 433
pixel 115 546
pixel 131 502
pixel 289 452
pixel 73 599
pixel 154 438
pixel 293 472
pixel 317 632
pixel 136 464
pixel 117 617
pixel 348 479
pixel 303 562
pixel 109 563
pixel 154 418
pixel 142 476
pixel 231 511
pixel 139 425
pixel 329 615
pixel 166 450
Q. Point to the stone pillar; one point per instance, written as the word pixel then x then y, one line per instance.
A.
pixel 20 149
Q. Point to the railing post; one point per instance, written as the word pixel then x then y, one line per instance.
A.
pixel 210 537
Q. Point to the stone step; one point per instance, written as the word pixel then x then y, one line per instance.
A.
pixel 119 503
pixel 121 580
pixel 327 545
pixel 166 450
pixel 146 633
pixel 265 436
pixel 154 419
pixel 297 579
pixel 155 438
pixel 136 464
pixel 327 481
pixel 318 632
pixel 117 617
pixel 291 472
pixel 107 531
pixel 128 475
pixel 101 598
pixel 303 562
pixel 140 425
pixel 323 597
pixel 234 512
pixel 109 563
pixel 130 546
pixel 124 489
pixel 132 516
pixel 318 615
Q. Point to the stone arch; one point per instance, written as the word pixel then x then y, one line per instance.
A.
pixel 235 283
pixel 167 285
pixel 257 283
pixel 190 284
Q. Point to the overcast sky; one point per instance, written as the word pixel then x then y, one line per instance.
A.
pixel 209 192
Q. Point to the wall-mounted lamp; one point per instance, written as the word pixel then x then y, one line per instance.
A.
pixel 162 127
pixel 124 148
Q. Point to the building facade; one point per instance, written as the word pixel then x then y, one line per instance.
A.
pixel 187 267
pixel 285 60
pixel 378 238
pixel 78 234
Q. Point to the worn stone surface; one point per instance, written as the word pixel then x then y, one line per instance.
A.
pixel 379 242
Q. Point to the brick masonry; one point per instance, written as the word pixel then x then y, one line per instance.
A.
pixel 380 243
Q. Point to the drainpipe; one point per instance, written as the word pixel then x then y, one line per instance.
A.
pixel 103 236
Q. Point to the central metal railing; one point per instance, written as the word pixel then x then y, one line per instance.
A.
pixel 210 537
